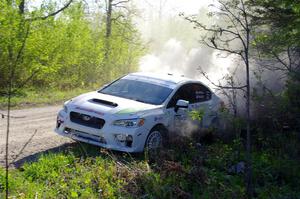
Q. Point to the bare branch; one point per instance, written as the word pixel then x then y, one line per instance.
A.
pixel 27 80
pixel 217 30
pixel 117 18
pixel 220 86
pixel 235 27
pixel 281 61
pixel 229 39
pixel 52 14
pixel 227 9
pixel 22 149
pixel 237 52
pixel 120 2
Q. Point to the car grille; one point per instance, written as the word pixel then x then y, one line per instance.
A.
pixel 87 120
pixel 84 135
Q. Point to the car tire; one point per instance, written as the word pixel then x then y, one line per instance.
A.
pixel 215 123
pixel 218 125
pixel 156 139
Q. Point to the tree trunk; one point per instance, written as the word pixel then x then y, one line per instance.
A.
pixel 22 7
pixel 248 145
pixel 108 19
pixel 7 138
pixel 9 91
pixel 105 71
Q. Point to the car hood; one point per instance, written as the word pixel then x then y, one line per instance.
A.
pixel 102 104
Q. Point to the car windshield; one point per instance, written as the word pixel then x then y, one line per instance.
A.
pixel 138 90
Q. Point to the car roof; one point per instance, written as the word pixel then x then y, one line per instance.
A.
pixel 167 78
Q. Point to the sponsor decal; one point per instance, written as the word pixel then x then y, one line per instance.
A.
pixel 180 117
pixel 129 110
pixel 89 110
pixel 158 118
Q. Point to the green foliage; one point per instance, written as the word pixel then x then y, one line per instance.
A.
pixel 292 100
pixel 282 19
pixel 65 51
pixel 197 114
pixel 64 176
pixel 181 171
pixel 37 97
pixel 277 39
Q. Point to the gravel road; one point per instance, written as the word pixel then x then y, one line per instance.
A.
pixel 33 131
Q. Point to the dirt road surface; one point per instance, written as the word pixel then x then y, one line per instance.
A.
pixel 30 134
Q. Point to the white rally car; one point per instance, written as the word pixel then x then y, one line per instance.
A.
pixel 137 111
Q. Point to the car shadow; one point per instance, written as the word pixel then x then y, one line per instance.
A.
pixel 82 151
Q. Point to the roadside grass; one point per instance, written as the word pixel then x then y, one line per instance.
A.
pixel 38 97
pixel 185 169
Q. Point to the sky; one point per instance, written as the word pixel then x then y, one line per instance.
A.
pixel 173 6
pixel 158 14
pixel 153 9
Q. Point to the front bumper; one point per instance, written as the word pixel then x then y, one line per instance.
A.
pixel 105 137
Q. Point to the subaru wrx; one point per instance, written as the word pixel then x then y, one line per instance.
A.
pixel 137 111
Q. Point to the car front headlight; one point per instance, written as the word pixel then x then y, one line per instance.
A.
pixel 129 122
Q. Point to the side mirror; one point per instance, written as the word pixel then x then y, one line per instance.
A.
pixel 181 104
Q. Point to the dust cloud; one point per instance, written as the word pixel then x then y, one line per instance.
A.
pixel 174 43
pixel 175 48
pixel 174 58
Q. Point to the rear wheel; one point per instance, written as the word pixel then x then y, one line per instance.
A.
pixel 215 123
pixel 218 124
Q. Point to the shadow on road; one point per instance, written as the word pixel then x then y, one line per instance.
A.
pixel 34 157
pixel 79 150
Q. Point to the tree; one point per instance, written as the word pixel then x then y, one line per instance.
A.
pixel 14 36
pixel 232 37
pixel 277 41
pixel 229 89
pixel 277 35
pixel 68 50
pixel 115 12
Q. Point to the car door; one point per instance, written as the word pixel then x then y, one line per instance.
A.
pixel 179 119
pixel 199 99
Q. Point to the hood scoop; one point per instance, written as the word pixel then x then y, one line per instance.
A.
pixel 104 102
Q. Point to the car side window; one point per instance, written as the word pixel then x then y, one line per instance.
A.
pixel 194 93
pixel 184 93
pixel 200 93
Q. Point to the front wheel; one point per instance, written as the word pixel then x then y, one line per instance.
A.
pixel 156 139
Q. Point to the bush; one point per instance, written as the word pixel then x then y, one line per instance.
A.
pixel 183 170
